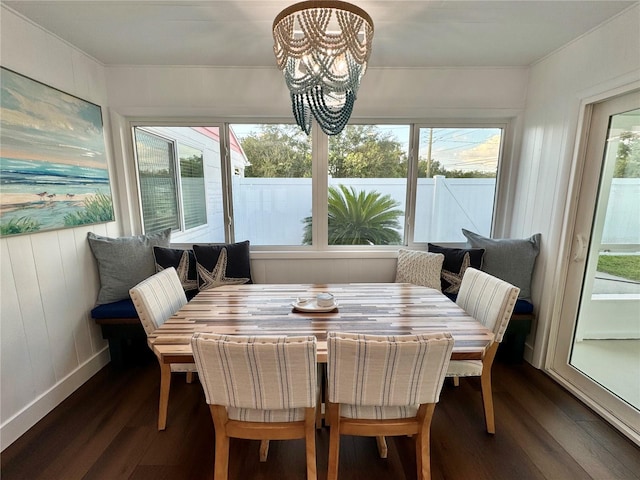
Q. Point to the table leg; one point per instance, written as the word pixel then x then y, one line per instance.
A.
pixel 165 385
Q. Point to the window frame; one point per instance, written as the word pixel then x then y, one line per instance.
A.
pixel 503 125
pixel 147 127
pixel 319 152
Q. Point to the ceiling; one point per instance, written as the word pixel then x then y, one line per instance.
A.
pixel 225 33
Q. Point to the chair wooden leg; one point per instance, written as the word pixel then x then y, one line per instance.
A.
pixel 333 411
pixel 264 450
pixel 310 443
pixel 221 465
pixel 382 446
pixel 423 441
pixel 165 386
pixel 487 400
pixel 189 377
pixel 485 383
pixel 456 381
pixel 320 395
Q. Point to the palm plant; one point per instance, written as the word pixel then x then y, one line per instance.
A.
pixel 359 218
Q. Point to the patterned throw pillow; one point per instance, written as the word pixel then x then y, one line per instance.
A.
pixel 456 261
pixel 226 264
pixel 419 268
pixel 124 262
pixel 184 261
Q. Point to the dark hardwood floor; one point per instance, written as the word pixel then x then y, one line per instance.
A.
pixel 107 430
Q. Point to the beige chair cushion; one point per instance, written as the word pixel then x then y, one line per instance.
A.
pixel 375 376
pixel 157 298
pixel 419 268
pixel 377 413
pixel 487 299
pixel 465 368
pixel 260 379
pixel 490 301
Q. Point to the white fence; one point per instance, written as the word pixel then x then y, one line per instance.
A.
pixel 271 211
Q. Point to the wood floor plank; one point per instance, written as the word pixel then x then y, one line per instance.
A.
pixel 107 430
pixel 597 461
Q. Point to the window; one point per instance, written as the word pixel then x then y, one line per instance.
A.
pixel 272 198
pixel 373 184
pixel 157 179
pixel 192 183
pixel 456 182
pixel 180 181
pixel 368 185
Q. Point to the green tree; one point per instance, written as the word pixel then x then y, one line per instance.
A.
pixel 359 218
pixel 628 156
pixel 277 151
pixel 437 169
pixel 363 151
pixel 191 167
pixel 360 151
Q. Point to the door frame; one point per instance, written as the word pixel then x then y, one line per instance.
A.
pixel 557 354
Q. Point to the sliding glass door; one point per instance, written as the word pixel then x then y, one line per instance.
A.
pixel 598 345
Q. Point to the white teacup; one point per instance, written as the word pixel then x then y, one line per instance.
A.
pixel 325 300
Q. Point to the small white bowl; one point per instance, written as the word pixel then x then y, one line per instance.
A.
pixel 325 300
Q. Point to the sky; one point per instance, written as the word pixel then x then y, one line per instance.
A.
pixel 469 148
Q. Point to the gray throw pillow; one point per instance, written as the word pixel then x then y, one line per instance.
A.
pixel 510 259
pixel 124 262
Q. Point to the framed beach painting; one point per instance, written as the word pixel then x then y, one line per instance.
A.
pixel 53 163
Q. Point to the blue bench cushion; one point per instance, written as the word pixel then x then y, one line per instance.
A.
pixel 523 307
pixel 123 308
pixel 120 309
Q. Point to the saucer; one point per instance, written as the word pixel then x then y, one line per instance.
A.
pixel 312 306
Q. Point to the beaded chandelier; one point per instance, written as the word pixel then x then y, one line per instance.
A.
pixel 322 47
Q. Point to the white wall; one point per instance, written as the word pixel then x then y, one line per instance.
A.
pixel 49 345
pixel 602 60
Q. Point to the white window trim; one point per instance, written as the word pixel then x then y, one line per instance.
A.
pixel 320 248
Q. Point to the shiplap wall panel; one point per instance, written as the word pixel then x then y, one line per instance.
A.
pixel 605 59
pixel 90 283
pixel 31 313
pixel 16 378
pixel 75 312
pixel 48 259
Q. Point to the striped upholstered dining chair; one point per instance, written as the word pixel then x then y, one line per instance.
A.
pixel 156 299
pixel 490 301
pixel 385 386
pixel 259 388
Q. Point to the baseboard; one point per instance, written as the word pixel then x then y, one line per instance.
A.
pixel 528 355
pixel 31 414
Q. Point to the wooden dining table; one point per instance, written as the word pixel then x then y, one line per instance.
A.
pixel 268 309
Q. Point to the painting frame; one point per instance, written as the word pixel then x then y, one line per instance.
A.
pixel 54 170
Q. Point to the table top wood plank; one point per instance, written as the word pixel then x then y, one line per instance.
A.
pixel 266 309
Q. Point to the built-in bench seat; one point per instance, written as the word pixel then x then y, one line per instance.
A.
pixel 121 327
